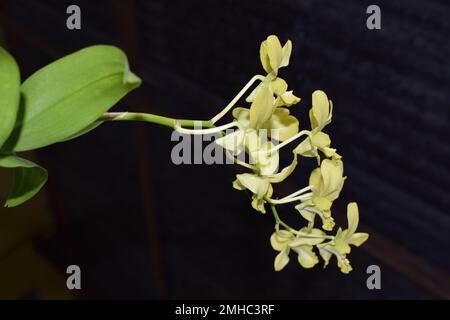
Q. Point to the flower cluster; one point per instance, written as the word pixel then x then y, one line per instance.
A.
pixel 263 129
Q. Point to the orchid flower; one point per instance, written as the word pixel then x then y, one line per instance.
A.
pixel 340 246
pixel 260 182
pixel 326 183
pixel 284 241
pixel 320 115
pixel 261 131
pixel 273 56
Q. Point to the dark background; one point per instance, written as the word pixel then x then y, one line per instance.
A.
pixel 141 227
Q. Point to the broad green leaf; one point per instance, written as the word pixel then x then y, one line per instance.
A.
pixel 28 179
pixel 70 94
pixel 89 128
pixel 9 94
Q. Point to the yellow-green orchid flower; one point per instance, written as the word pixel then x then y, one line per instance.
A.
pixel 326 183
pixel 280 240
pixel 320 115
pixel 281 125
pixel 256 145
pixel 273 56
pixel 279 88
pixel 265 113
pixel 264 106
pixel 280 120
pixel 284 241
pixel 261 186
pixel 340 246
pixel 275 122
pixel 267 164
pixel 263 129
pixel 260 183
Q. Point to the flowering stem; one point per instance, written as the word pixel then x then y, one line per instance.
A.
pixel 277 217
pixel 299 192
pixel 299 233
pixel 153 118
pixel 236 99
pixel 281 145
pixel 205 131
pixel 287 200
pixel 172 123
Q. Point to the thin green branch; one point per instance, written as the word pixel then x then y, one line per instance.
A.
pixel 153 118
pixel 277 217
pixel 298 233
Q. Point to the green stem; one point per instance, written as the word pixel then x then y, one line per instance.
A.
pixel 165 121
pixel 301 234
pixel 277 217
pixel 153 118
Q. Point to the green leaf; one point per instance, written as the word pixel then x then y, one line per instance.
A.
pixel 29 178
pixel 9 94
pixel 70 94
pixel 83 131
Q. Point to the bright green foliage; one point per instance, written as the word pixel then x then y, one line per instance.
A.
pixel 9 94
pixel 70 94
pixel 61 101
pixel 28 179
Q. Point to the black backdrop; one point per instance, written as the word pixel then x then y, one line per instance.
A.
pixel 141 227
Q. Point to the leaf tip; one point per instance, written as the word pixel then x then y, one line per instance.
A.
pixel 132 79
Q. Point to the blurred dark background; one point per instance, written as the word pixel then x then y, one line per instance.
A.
pixel 142 228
